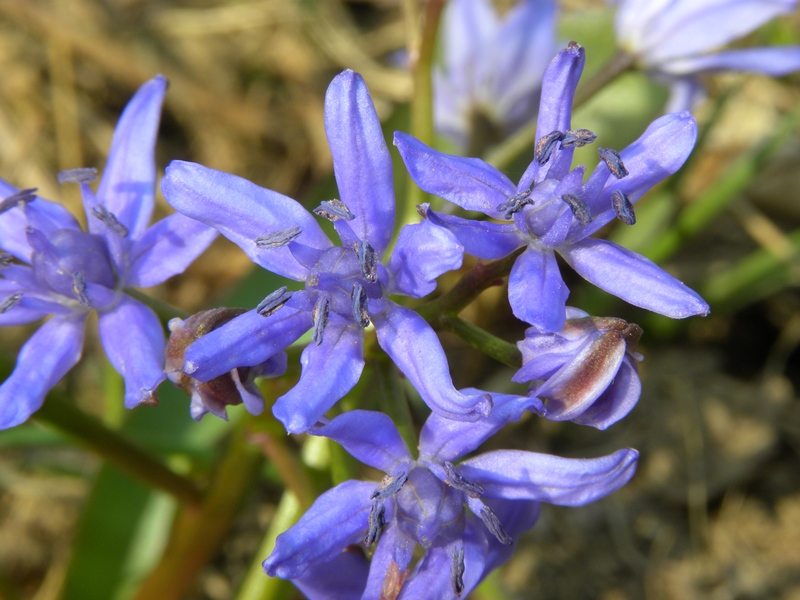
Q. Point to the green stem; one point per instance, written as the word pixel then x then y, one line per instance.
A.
pixel 504 154
pixel 164 310
pixel 484 341
pixel 115 448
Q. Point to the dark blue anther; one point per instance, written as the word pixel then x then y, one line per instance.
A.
pixel 457 571
pixel 79 287
pixel 279 238
pixel 84 175
pixel 390 486
pixel 454 480
pixel 5 259
pixel 546 145
pixel 10 302
pixel 578 138
pixel 493 524
pixel 320 318
pixel 376 522
pixel 109 220
pixel 334 210
pixel 17 198
pixel 613 162
pixel 273 302
pixel 578 208
pixel 358 303
pixel 623 207
pixel 515 204
pixel 368 260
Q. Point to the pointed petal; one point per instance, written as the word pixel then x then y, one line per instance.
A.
pixel 42 362
pixel 167 248
pixel 134 342
pixel 342 578
pixel 776 61
pixel 617 401
pixel 127 188
pixel 519 475
pixel 468 182
pixel 685 93
pixel 330 370
pixel 361 161
pixel 536 291
pixel 369 436
pixel 24 306
pixel 633 278
pixel 483 239
pixel 517 517
pixel 337 519
pixel 468 26
pixel 246 341
pixel 242 211
pixel 417 352
pixel 422 253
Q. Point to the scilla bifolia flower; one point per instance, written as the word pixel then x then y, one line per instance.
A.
pixel 676 40
pixel 346 287
pixel 465 516
pixel 491 73
pixel 552 209
pixel 50 266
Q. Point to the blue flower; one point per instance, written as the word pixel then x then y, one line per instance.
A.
pixel 346 287
pixel 554 210
pixel 677 40
pixel 423 502
pixel 50 266
pixel 492 66
pixel 586 372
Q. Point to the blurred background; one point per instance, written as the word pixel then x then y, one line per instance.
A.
pixel 714 511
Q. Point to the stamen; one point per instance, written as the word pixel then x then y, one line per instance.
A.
pixel 84 175
pixel 368 260
pixel 457 571
pixel 376 522
pixel 273 302
pixel 358 303
pixel 578 208
pixel 5 259
pixel 493 524
pixel 516 203
pixel 79 287
pixel 578 138
pixel 278 239
pixel 623 207
pixel 390 486
pixel 546 145
pixel 320 317
pixel 17 198
pixel 109 220
pixel 333 210
pixel 473 490
pixel 10 302
pixel 613 162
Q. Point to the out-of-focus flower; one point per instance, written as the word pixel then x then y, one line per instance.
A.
pixel 424 502
pixel 346 287
pixel 491 73
pixel 677 39
pixel 586 372
pixel 232 388
pixel 52 267
pixel 553 210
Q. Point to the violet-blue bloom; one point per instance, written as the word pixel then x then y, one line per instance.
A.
pixel 586 372
pixel 424 502
pixel 346 287
pixel 678 39
pixel 553 210
pixel 53 267
pixel 492 66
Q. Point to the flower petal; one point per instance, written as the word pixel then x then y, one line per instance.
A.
pixel 468 182
pixel 517 517
pixel 337 519
pixel 361 161
pixel 776 61
pixel 536 291
pixel 519 475
pixel 42 362
pixel 633 278
pixel 330 370
pixel 393 547
pixel 242 211
pixel 422 253
pixel 167 248
pixel 483 239
pixel 617 401
pixel 134 342
pixel 127 188
pixel 417 352
pixel 342 578
pixel 369 436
